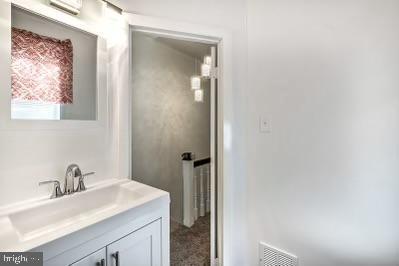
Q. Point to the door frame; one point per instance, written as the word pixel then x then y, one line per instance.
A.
pixel 223 40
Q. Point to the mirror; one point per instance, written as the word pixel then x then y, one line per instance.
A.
pixel 53 70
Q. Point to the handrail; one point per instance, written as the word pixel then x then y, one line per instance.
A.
pixel 201 162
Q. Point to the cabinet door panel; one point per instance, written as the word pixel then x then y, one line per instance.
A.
pixel 97 258
pixel 140 248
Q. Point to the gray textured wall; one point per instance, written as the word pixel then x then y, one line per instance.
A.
pixel 166 120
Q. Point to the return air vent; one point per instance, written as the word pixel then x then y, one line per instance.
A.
pixel 270 256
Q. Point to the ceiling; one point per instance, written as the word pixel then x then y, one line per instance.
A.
pixel 194 49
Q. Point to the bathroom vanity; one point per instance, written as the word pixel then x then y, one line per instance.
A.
pixel 117 222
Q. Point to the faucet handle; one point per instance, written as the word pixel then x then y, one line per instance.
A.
pixel 81 185
pixel 90 173
pixel 57 188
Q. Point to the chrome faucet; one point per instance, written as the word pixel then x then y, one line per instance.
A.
pixel 73 171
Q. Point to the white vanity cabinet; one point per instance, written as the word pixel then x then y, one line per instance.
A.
pixel 97 258
pixel 140 248
pixel 119 223
pixel 134 244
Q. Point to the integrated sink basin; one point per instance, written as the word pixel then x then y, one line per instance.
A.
pixel 58 213
pixel 32 224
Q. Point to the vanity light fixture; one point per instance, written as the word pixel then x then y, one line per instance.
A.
pixel 71 6
pixel 199 96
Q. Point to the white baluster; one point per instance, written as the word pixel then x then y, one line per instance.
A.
pixel 202 192
pixel 195 195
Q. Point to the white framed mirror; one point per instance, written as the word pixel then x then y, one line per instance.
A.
pixel 53 69
pixel 58 69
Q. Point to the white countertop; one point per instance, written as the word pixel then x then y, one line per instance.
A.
pixel 33 223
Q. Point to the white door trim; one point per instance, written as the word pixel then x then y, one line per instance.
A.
pixel 215 221
pixel 222 38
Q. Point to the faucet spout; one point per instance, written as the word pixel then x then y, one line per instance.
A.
pixel 72 171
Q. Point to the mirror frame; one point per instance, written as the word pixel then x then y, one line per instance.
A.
pixel 51 13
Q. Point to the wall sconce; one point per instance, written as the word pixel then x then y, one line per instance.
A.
pixel 195 82
pixel 199 95
pixel 71 6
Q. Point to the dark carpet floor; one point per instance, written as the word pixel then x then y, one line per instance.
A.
pixel 191 246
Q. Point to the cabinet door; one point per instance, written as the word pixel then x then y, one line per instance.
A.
pixel 140 248
pixel 97 258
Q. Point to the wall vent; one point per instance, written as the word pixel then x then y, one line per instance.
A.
pixel 271 256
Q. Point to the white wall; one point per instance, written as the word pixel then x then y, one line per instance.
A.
pixel 166 121
pixel 32 154
pixel 324 184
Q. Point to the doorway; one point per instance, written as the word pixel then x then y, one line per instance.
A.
pixel 173 124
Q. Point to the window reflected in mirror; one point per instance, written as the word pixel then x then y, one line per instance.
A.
pixel 53 70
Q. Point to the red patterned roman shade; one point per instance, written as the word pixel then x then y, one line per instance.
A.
pixel 41 68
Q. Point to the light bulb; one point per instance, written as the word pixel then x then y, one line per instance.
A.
pixel 199 95
pixel 208 60
pixel 195 82
pixel 205 70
